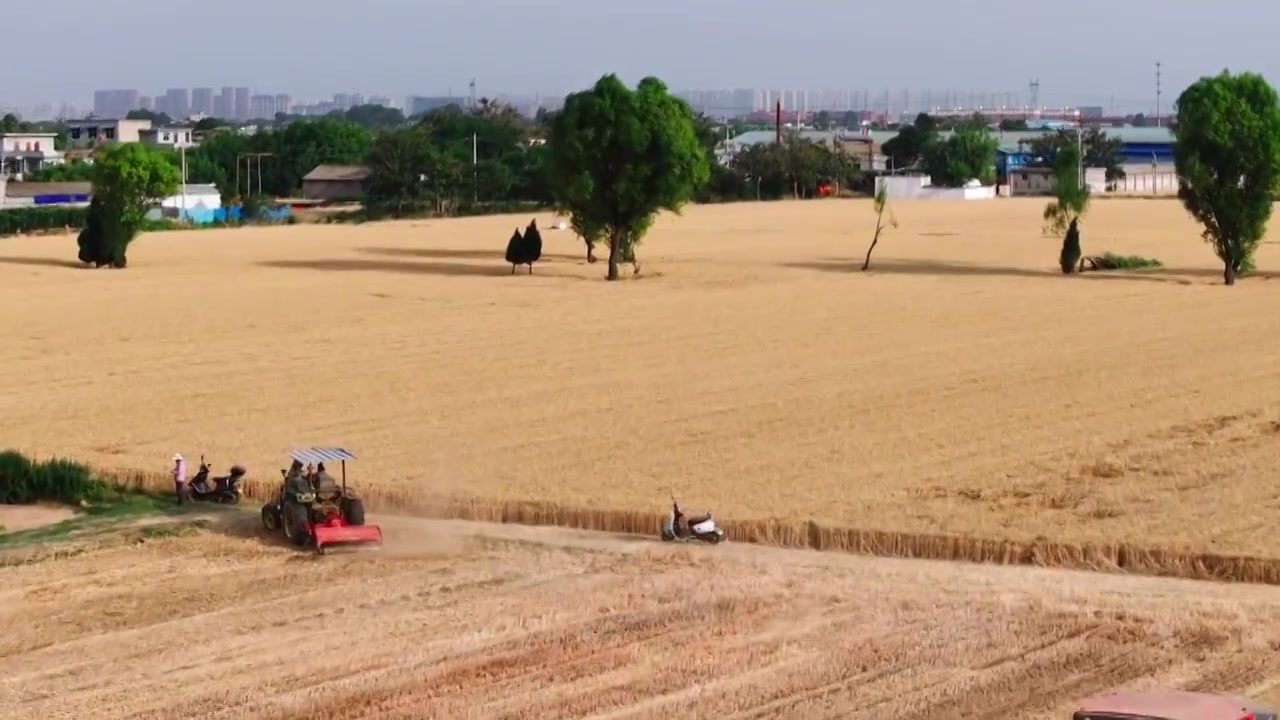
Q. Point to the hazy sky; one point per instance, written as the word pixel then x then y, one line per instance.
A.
pixel 1083 51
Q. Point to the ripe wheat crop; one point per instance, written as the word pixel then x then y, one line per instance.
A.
pixel 963 387
pixel 522 624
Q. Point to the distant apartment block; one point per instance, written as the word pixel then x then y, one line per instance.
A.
pixel 177 103
pixel 243 104
pixel 114 103
pixel 224 103
pixel 265 107
pixel 90 131
pixel 417 105
pixel 202 101
pixel 146 103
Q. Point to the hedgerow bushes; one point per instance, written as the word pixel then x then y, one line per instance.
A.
pixel 32 219
pixel 23 481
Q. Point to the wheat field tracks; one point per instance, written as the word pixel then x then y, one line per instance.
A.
pixel 465 620
pixel 962 386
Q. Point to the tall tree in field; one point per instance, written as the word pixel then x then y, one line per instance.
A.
pixel 127 179
pixel 1227 152
pixel 882 204
pixel 618 156
pixel 1062 216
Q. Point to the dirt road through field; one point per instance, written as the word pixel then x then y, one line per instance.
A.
pixel 481 621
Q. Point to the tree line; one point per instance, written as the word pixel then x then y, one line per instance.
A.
pixel 615 157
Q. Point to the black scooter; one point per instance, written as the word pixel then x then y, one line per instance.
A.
pixel 702 529
pixel 223 490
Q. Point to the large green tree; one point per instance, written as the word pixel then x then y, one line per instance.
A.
pixel 969 153
pixel 1100 150
pixel 911 144
pixel 619 156
pixel 1227 152
pixel 399 163
pixel 128 178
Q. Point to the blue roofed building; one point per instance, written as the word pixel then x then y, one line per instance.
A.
pixel 1138 146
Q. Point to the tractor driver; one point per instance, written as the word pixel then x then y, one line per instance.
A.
pixel 326 486
pixel 295 482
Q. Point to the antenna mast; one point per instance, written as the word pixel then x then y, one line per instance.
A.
pixel 1157 94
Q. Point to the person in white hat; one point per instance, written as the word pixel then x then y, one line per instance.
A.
pixel 179 473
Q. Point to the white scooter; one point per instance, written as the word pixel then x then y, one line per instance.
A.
pixel 701 528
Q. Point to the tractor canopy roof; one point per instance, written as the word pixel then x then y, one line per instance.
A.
pixel 315 455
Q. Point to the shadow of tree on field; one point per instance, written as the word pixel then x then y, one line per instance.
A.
pixel 915 267
pixel 939 268
pixel 447 253
pixel 408 268
pixel 42 262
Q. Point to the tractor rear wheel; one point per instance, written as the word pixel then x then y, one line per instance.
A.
pixel 353 511
pixel 296 522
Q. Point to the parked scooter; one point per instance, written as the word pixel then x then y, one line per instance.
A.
pixel 702 528
pixel 224 489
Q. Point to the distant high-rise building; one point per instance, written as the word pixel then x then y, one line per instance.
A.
pixel 202 101
pixel 145 103
pixel 417 105
pixel 114 103
pixel 243 104
pixel 224 103
pixel 380 100
pixel 263 107
pixel 284 103
pixel 178 101
pixel 342 101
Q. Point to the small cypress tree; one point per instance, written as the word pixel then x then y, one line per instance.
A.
pixel 515 250
pixel 1070 255
pixel 532 244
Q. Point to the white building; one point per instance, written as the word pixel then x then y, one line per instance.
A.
pixel 167 137
pixel 92 131
pixel 27 152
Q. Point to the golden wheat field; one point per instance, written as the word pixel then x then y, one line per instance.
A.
pixel 464 620
pixel 962 391
pixel 964 386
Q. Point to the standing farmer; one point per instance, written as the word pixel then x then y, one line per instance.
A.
pixel 179 473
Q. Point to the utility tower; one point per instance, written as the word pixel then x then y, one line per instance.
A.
pixel 1034 86
pixel 1157 94
pixel 471 99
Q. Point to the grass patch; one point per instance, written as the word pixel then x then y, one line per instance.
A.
pixel 173 530
pixel 1112 261
pixel 98 518
pixel 131 505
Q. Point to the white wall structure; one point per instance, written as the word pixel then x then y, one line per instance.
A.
pixel 921 187
pixel 1039 181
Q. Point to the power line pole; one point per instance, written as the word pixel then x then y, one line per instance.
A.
pixel 1157 94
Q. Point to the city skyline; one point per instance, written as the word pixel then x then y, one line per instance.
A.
pixel 243 103
pixel 1097 51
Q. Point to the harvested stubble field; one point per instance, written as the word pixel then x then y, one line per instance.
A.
pixel 458 620
pixel 964 387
